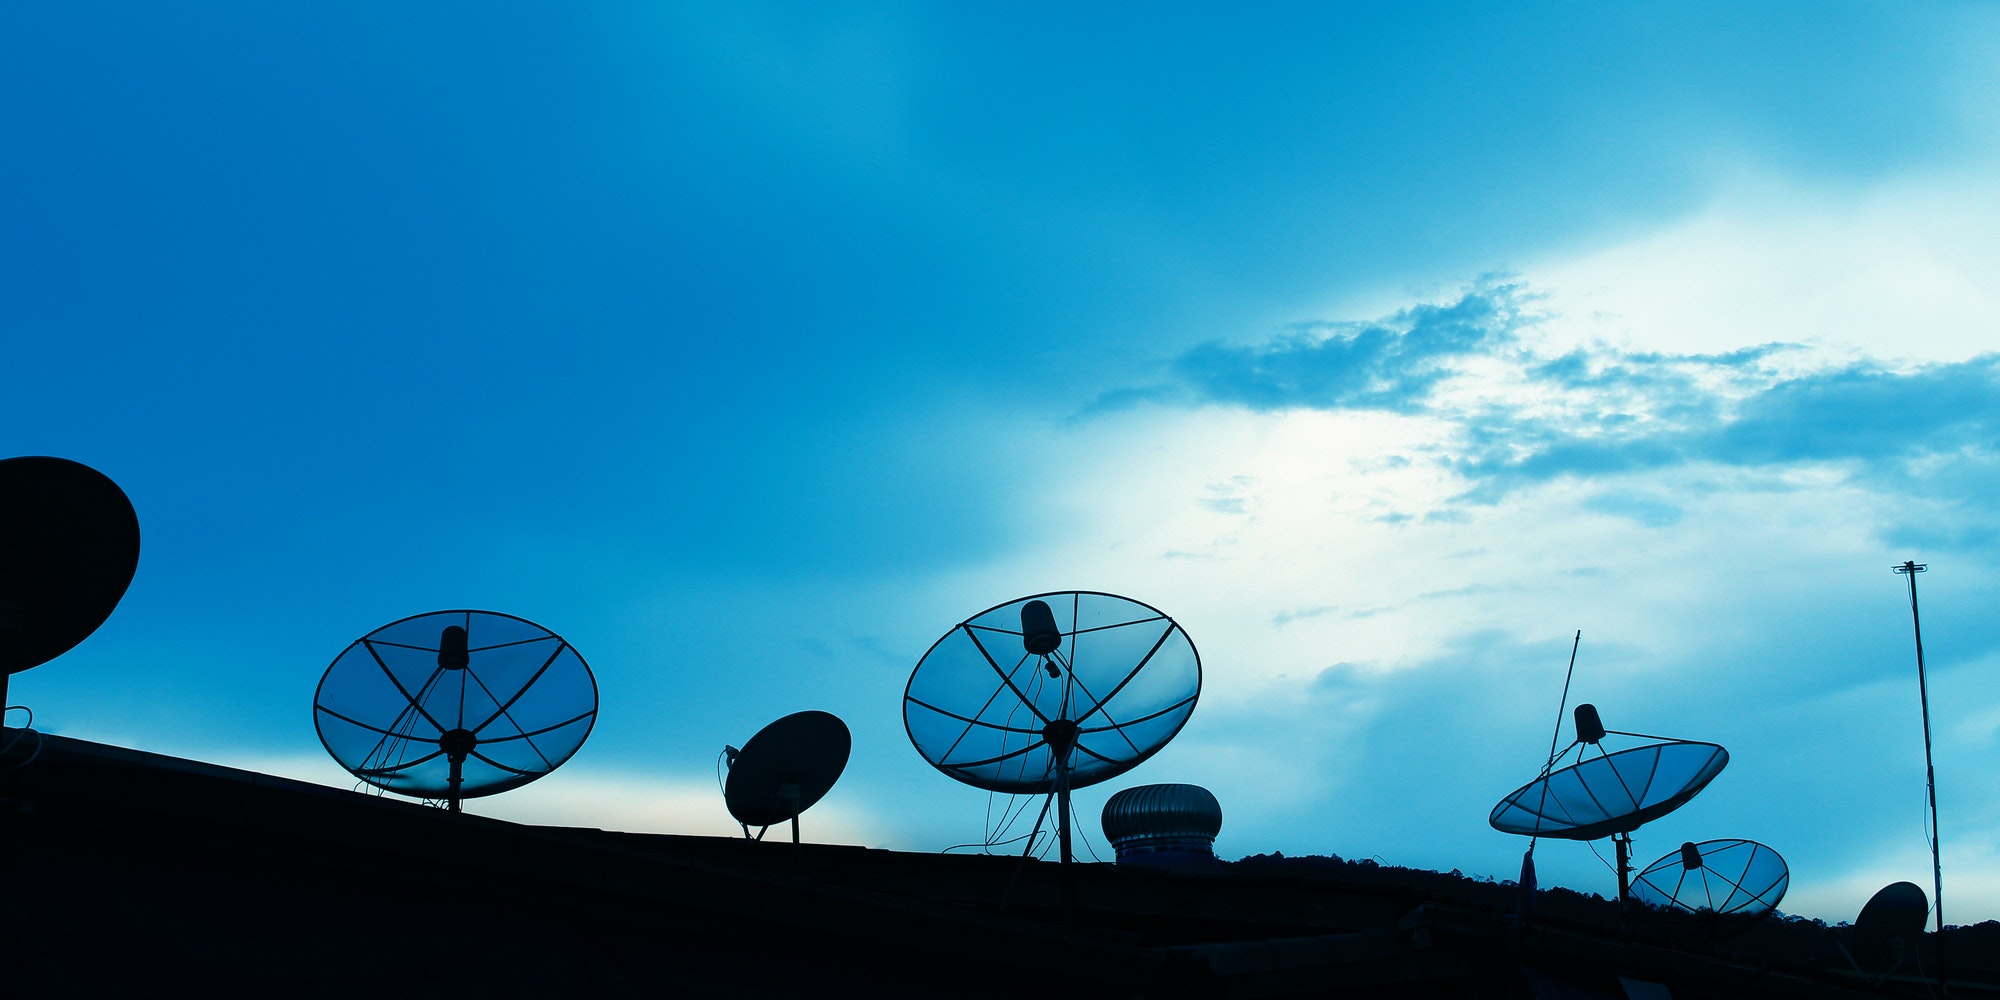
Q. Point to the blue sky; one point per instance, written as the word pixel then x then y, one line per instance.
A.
pixel 752 349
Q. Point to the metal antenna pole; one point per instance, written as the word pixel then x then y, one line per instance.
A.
pixel 1527 882
pixel 1911 569
pixel 1555 735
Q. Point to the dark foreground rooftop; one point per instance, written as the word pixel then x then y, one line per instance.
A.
pixel 131 874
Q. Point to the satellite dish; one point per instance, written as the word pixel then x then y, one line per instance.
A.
pixel 784 769
pixel 1897 911
pixel 453 705
pixel 1886 932
pixel 1049 693
pixel 1715 878
pixel 1612 793
pixel 69 543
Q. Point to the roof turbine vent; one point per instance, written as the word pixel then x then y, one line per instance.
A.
pixel 1164 826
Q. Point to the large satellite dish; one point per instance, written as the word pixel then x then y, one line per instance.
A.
pixel 1715 878
pixel 1612 793
pixel 784 769
pixel 452 705
pixel 69 543
pixel 1053 692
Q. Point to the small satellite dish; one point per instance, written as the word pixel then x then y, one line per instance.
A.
pixel 68 548
pixel 1715 878
pixel 1612 793
pixel 784 769
pixel 1049 693
pixel 453 705
pixel 1886 932
pixel 1897 911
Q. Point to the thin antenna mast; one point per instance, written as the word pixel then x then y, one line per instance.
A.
pixel 1911 569
pixel 1528 881
pixel 1560 710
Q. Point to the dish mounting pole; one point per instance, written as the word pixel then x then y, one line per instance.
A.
pixel 1062 807
pixel 454 655
pixel 1623 843
pixel 788 797
pixel 1061 736
pixel 1910 569
pixel 457 745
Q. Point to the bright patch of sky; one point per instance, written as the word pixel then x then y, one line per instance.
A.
pixel 752 349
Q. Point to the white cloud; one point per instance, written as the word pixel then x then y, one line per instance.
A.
pixel 1904 270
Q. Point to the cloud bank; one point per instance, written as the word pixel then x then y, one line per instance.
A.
pixel 1510 412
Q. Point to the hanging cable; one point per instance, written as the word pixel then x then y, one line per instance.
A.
pixel 1081 832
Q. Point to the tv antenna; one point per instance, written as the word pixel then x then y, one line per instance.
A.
pixel 1737 881
pixel 1612 793
pixel 69 544
pixel 784 769
pixel 452 705
pixel 1047 694
pixel 1910 569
